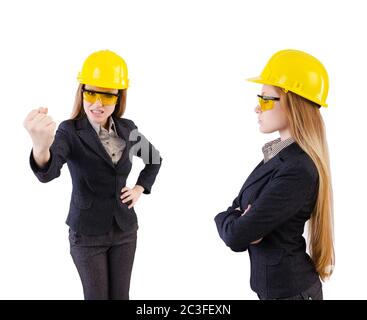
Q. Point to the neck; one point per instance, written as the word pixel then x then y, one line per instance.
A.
pixel 284 134
pixel 106 123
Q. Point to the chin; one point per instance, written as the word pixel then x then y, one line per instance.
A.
pixel 96 118
pixel 266 130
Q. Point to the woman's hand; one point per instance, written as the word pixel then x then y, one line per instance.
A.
pixel 247 209
pixel 41 128
pixel 133 194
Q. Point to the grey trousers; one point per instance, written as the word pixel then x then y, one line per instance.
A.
pixel 105 262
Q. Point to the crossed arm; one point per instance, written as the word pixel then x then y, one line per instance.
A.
pixel 282 198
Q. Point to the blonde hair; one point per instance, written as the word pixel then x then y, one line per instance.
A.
pixel 308 130
pixel 78 110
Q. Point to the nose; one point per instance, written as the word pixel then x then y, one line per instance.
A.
pixel 257 109
pixel 98 101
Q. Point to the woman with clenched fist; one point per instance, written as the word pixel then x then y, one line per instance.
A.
pixel 97 144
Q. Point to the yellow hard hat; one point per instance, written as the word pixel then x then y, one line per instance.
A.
pixel 104 69
pixel 299 72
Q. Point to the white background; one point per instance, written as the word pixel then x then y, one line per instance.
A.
pixel 187 62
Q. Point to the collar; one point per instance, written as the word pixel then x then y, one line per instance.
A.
pixel 98 128
pixel 272 148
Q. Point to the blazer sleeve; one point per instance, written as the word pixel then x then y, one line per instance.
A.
pixel 150 156
pixel 280 200
pixel 59 151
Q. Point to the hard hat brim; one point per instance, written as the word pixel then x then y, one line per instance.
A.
pixel 260 80
pixel 256 79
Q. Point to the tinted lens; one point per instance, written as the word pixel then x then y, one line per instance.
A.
pixel 266 104
pixel 89 96
pixel 106 98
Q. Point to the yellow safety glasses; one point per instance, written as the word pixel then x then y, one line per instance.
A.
pixel 106 98
pixel 267 102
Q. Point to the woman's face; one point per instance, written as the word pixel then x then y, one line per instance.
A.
pixel 97 111
pixel 274 119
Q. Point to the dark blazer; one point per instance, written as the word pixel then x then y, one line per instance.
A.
pixel 97 181
pixel 282 193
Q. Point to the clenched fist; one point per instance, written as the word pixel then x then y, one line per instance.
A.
pixel 41 128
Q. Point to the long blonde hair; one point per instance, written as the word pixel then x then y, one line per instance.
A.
pixel 308 130
pixel 78 110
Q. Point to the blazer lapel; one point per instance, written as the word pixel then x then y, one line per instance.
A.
pixel 263 169
pixel 260 171
pixel 90 137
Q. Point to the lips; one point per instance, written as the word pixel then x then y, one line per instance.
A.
pixel 97 111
